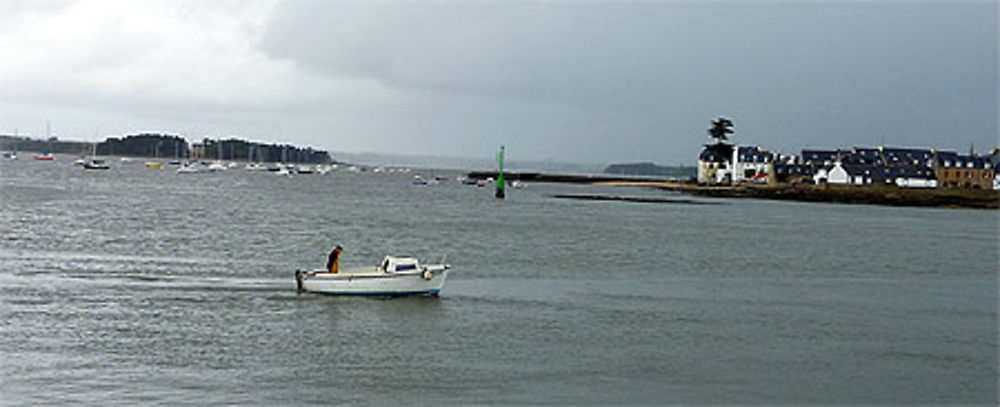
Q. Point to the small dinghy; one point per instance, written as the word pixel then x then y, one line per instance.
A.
pixel 395 276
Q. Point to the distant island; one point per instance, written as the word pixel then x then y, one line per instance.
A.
pixel 167 146
pixel 652 170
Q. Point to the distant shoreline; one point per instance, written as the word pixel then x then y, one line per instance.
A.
pixel 847 194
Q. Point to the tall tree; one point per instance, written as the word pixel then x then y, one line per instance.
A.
pixel 720 129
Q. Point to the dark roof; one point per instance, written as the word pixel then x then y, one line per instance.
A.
pixel 864 155
pixel 856 170
pixel 822 156
pixel 716 153
pixel 908 156
pixel 911 171
pixel 963 161
pixel 903 171
pixel 943 156
pixel 862 159
pixel 868 152
pixel 919 153
pixel 754 154
pixel 809 156
pixel 794 169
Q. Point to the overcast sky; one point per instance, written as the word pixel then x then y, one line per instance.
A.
pixel 592 82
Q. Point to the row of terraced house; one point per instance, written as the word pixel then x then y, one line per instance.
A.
pixel 725 164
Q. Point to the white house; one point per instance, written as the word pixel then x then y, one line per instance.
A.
pixel 714 166
pixel 820 176
pixel 835 175
pixel 916 182
pixel 748 162
pixel 996 177
pixel 913 177
pixel 861 174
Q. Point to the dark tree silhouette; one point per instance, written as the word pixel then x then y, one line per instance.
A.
pixel 720 129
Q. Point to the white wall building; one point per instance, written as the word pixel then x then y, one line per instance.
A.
pixel 714 166
pixel 837 174
pixel 748 162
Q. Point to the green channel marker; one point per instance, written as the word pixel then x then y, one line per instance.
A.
pixel 500 181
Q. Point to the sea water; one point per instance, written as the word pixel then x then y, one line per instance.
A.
pixel 134 286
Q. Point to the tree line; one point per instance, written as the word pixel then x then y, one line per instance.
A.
pixel 167 146
pixel 176 147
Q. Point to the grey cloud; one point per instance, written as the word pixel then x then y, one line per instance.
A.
pixel 592 81
pixel 792 74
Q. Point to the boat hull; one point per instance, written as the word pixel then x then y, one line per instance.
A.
pixel 373 283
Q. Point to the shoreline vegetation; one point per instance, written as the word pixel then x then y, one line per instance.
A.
pixel 168 146
pixel 845 194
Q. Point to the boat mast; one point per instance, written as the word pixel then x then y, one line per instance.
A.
pixel 500 182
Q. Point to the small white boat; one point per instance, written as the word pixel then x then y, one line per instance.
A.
pixel 217 166
pixel 190 168
pixel 395 276
pixel 96 164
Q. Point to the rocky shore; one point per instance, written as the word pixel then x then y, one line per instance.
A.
pixel 847 194
pixel 887 195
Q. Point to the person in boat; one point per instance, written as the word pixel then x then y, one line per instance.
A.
pixel 333 261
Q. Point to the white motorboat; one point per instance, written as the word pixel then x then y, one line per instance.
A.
pixel 395 276
pixel 96 164
pixel 217 166
pixel 190 168
pixel 256 167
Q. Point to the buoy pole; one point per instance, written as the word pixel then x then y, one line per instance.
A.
pixel 500 182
